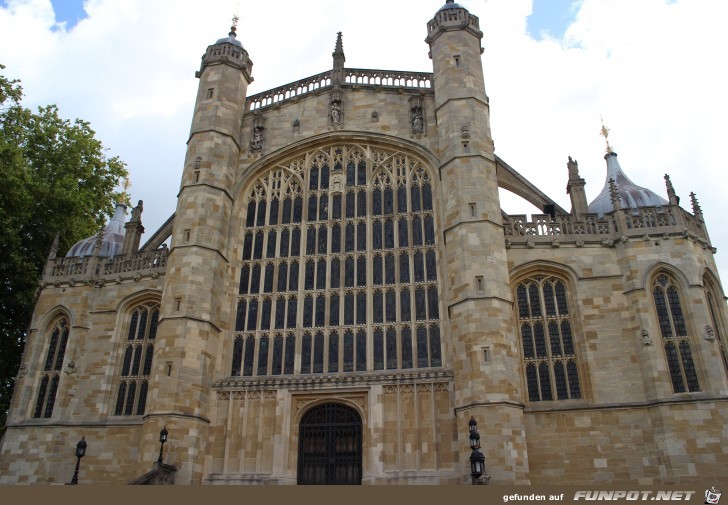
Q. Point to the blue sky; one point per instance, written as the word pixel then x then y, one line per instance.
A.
pixel 68 11
pixel 551 17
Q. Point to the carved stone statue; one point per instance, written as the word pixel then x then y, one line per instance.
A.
pixel 256 143
pixel 136 212
pixel 418 124
pixel 335 114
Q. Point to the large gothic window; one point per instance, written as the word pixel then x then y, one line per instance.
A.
pixel 339 267
pixel 674 335
pixel 51 374
pixel 136 365
pixel 716 309
pixel 548 341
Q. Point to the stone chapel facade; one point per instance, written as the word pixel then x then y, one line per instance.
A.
pixel 342 293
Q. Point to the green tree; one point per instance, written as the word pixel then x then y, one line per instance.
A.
pixel 55 180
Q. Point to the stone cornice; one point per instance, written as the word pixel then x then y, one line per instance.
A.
pixel 317 381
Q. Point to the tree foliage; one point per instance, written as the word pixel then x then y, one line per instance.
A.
pixel 55 179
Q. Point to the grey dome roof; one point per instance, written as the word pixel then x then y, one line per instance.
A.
pixel 112 241
pixel 230 39
pixel 451 5
pixel 630 194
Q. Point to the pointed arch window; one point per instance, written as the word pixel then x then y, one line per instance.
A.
pixel 717 310
pixel 365 244
pixel 136 365
pixel 51 374
pixel 547 339
pixel 674 335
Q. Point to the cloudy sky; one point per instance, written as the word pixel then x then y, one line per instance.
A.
pixel 655 70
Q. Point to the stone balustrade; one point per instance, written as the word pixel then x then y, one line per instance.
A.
pixel 624 223
pixel 92 268
pixel 352 77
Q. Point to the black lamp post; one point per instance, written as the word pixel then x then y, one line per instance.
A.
pixel 162 439
pixel 80 453
pixel 477 460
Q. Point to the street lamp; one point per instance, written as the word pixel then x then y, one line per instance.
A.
pixel 477 460
pixel 80 453
pixel 162 439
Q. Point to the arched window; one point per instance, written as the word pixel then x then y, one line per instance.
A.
pixel 547 338
pixel 51 374
pixel 674 335
pixel 351 266
pixel 716 309
pixel 136 366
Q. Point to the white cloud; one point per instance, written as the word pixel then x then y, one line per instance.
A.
pixel 655 70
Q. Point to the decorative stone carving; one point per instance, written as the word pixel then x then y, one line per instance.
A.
pixel 375 117
pixel 646 339
pixel 335 114
pixel 709 333
pixel 198 163
pixel 337 182
pixel 417 115
pixel 465 132
pixel 70 368
pixel 22 371
pixel 258 135
pixel 136 212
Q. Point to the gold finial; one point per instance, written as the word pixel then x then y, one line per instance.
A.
pixel 605 134
pixel 234 27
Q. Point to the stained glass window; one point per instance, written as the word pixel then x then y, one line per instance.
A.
pixel 51 375
pixel 675 339
pixel 350 219
pixel 136 364
pixel 550 362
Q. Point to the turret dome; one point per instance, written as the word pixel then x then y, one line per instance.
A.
pixel 630 194
pixel 450 4
pixel 112 241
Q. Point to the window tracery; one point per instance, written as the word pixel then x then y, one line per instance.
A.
pixel 676 341
pixel 716 319
pixel 547 340
pixel 359 224
pixel 136 366
pixel 51 374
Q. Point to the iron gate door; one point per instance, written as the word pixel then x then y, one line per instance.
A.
pixel 329 447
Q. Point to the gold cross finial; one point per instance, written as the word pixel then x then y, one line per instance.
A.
pixel 605 134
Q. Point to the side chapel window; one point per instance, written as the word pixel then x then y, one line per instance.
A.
pixel 339 267
pixel 674 335
pixel 51 374
pixel 716 319
pixel 548 341
pixel 137 362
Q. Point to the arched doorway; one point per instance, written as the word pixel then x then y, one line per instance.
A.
pixel 330 446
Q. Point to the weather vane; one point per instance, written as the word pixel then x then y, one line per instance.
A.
pixel 605 134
